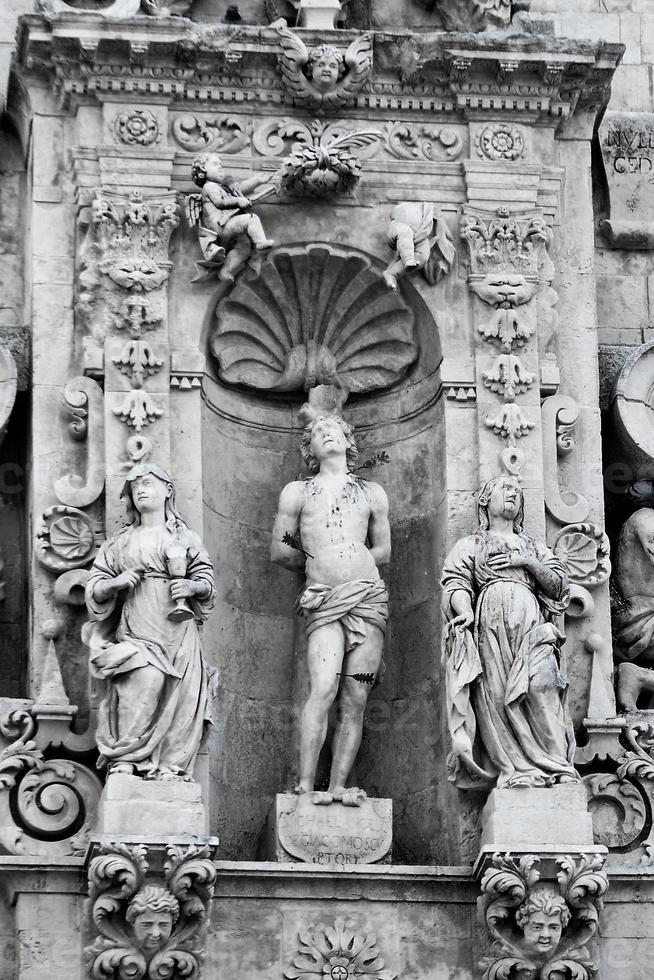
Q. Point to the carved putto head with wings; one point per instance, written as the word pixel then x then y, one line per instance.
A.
pixel 323 78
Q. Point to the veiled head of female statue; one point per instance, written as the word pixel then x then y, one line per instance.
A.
pixel 149 487
pixel 500 497
pixel 152 914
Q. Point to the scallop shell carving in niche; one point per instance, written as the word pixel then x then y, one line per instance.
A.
pixel 585 550
pixel 316 314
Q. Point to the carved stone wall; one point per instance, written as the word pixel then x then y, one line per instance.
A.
pixel 483 364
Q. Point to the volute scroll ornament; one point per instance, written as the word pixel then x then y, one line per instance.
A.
pixel 148 927
pixel 560 414
pixel 542 930
pixel 48 806
pixel 83 406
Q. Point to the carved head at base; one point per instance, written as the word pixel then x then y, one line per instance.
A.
pixel 325 435
pixel 152 914
pixel 207 167
pixel 542 918
pixel 325 67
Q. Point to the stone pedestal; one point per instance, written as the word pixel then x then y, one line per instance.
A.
pixel 319 15
pixel 536 819
pixel 130 805
pixel 298 830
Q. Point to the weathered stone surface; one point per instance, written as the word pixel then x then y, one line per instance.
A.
pixel 627 142
pixel 134 806
pixel 334 835
pixel 540 818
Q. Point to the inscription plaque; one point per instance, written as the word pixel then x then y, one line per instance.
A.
pixel 627 142
pixel 330 835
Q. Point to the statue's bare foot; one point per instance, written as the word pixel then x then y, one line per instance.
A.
pixel 350 797
pixel 411 264
pixel 390 280
pixel 320 798
pixel 266 243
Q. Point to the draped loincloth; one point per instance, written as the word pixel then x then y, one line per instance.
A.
pixel 355 605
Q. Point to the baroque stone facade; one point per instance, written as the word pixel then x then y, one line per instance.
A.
pixel 364 288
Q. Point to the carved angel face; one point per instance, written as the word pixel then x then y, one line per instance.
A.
pixel 325 67
pixel 152 929
pixel 542 932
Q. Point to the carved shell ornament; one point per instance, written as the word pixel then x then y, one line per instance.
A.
pixel 585 550
pixel 317 314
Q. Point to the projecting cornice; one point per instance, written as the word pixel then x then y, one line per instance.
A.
pixel 89 57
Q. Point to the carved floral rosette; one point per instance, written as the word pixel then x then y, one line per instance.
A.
pixel 116 876
pixel 511 881
pixel 338 952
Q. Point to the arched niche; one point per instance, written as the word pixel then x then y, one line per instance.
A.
pixel 250 440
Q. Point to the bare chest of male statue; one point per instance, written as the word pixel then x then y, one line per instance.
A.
pixel 334 526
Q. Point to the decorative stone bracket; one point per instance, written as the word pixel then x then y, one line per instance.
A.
pixel 149 925
pixel 542 914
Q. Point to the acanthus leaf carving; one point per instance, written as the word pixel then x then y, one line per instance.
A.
pixel 325 168
pixel 510 423
pixel 121 893
pixel 125 245
pixel 138 408
pixel 514 891
pixel 137 360
pixel 508 376
pixel 323 78
pixel 83 399
pixel 228 134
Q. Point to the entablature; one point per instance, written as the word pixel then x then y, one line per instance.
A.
pixel 453 74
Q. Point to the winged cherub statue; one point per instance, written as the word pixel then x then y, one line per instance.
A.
pixel 322 77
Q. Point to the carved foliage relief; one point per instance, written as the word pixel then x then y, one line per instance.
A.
pixel 542 928
pixel 508 264
pixel 149 927
pixel 338 952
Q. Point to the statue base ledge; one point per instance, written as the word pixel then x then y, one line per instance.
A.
pixel 156 844
pixel 548 859
pixel 151 808
pixel 527 818
pixel 335 835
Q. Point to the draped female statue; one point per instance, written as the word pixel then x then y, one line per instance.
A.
pixel 506 692
pixel 150 586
